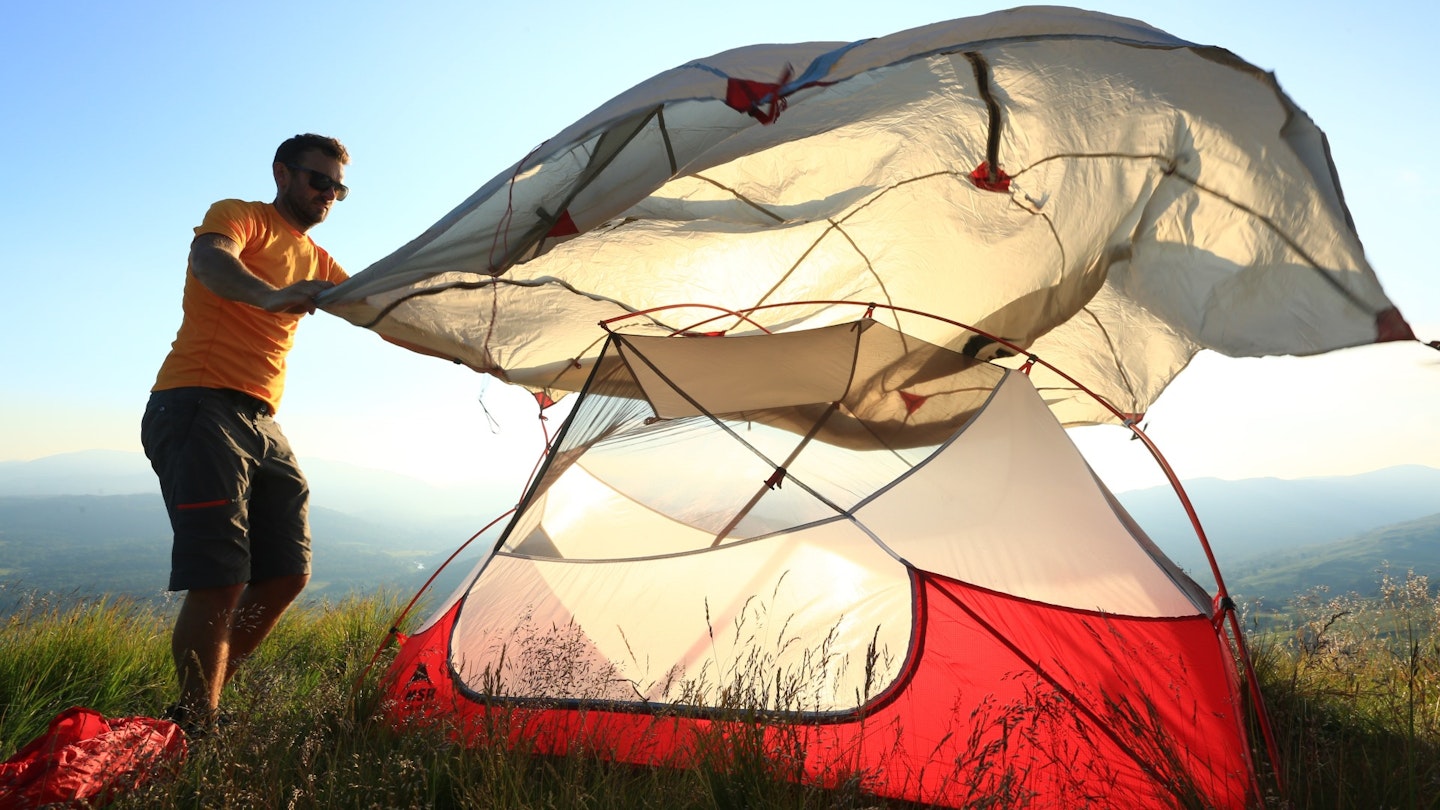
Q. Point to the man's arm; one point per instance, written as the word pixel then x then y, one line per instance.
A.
pixel 215 261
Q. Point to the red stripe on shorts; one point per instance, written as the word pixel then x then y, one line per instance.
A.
pixel 202 504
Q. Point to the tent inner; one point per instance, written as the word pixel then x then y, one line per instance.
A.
pixel 724 512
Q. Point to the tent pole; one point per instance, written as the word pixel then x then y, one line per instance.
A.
pixel 1227 605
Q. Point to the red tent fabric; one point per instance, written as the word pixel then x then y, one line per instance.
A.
pixel 969 722
pixel 85 757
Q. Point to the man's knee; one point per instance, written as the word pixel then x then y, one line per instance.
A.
pixel 212 601
pixel 279 592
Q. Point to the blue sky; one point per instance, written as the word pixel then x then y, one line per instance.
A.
pixel 125 121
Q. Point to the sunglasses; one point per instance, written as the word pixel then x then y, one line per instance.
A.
pixel 323 182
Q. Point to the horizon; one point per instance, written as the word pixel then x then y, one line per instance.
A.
pixel 432 103
pixel 1243 520
pixel 329 466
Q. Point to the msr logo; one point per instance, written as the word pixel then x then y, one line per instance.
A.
pixel 419 689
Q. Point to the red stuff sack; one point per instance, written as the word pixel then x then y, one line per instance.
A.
pixel 87 758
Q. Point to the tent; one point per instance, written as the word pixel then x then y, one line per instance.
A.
pixel 875 513
pixel 885 553
pixel 1104 194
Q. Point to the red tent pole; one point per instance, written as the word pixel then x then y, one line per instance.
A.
pixel 1226 605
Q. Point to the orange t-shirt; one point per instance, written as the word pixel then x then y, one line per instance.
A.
pixel 227 344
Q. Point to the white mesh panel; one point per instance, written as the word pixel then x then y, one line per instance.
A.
pixel 801 609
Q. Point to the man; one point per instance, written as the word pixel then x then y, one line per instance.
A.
pixel 237 500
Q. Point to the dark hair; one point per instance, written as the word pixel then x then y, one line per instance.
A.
pixel 291 150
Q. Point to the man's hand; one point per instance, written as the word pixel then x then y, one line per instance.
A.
pixel 298 297
pixel 215 260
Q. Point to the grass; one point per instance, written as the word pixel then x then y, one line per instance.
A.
pixel 307 735
pixel 1353 687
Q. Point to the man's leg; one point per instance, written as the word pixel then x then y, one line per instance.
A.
pixel 202 451
pixel 259 608
pixel 279 543
pixel 218 628
pixel 201 645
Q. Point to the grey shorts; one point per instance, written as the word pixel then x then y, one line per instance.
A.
pixel 237 500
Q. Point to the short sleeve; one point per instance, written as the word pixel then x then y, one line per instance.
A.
pixel 327 269
pixel 231 218
pixel 336 273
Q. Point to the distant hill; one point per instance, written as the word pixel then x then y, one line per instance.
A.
pixel 1349 565
pixel 92 522
pixel 1263 515
pixel 89 472
pixel 446 516
pixel 89 545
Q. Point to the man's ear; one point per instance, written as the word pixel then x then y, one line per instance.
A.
pixel 282 175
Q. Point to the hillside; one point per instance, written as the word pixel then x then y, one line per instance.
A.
pixel 88 545
pixel 1346 566
pixel 1260 516
pixel 108 532
pixel 370 494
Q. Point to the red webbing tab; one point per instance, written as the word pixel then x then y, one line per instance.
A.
pixel 986 179
pixel 912 401
pixel 747 96
pixel 564 226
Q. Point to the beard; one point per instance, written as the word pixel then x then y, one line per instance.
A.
pixel 307 208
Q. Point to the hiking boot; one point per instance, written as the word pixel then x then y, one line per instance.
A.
pixel 197 725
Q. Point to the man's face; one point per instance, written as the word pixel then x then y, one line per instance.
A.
pixel 299 198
